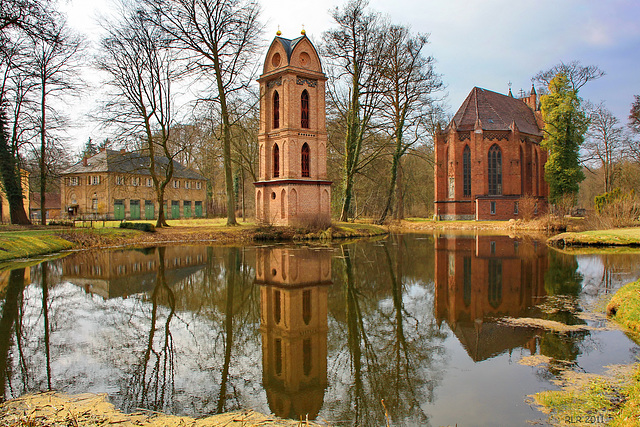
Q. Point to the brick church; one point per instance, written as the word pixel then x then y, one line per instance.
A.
pixel 292 188
pixel 488 157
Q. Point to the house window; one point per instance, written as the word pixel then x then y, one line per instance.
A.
pixel 495 170
pixel 74 180
pixel 135 181
pixel 95 180
pixel 466 171
pixel 198 185
pixel 305 160
pixel 176 183
pixel 187 185
pixel 94 205
pixel 276 110
pixel 276 161
pixel 304 109
pixel 149 182
pixel 492 208
pixel 119 180
pixel 516 208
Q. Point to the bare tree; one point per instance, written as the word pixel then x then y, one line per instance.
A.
pixel 142 67
pixel 410 82
pixel 354 50
pixel 604 142
pixel 577 74
pixel 222 37
pixel 56 52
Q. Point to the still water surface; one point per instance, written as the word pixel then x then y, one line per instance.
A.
pixel 413 321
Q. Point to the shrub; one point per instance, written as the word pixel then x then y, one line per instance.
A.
pixel 142 226
pixel 527 206
pixel 61 223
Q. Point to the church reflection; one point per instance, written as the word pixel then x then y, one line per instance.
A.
pixel 480 279
pixel 119 273
pixel 293 317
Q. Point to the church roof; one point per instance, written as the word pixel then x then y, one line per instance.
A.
pixel 495 112
pixel 133 162
pixel 289 45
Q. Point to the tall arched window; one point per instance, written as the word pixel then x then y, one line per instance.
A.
pixel 495 170
pixel 466 171
pixel 276 110
pixel 276 161
pixel 304 109
pixel 305 160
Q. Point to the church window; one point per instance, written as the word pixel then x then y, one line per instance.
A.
pixel 306 306
pixel 305 160
pixel 276 110
pixel 495 170
pixel 495 282
pixel 276 161
pixel 277 307
pixel 304 109
pixel 466 171
pixel 492 208
pixel 278 351
pixel 467 281
pixel 306 357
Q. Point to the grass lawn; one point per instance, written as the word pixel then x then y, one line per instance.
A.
pixel 612 237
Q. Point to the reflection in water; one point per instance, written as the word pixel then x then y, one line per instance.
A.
pixel 293 324
pixel 404 330
pixel 481 278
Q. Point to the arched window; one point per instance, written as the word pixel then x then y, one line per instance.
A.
pixel 466 171
pixel 276 110
pixel 495 170
pixel 304 109
pixel 276 161
pixel 495 282
pixel 305 160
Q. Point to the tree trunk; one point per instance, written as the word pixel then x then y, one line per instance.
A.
pixel 11 178
pixel 399 212
pixel 10 313
pixel 43 149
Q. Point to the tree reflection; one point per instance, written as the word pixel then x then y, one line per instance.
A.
pixel 9 320
pixel 394 348
pixel 152 382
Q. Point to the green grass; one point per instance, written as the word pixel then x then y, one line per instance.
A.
pixel 612 237
pixel 624 307
pixel 21 244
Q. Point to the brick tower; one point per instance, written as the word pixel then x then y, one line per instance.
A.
pixel 293 188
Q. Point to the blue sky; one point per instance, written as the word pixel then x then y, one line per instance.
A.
pixel 485 43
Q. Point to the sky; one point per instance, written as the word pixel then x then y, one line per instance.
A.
pixel 484 43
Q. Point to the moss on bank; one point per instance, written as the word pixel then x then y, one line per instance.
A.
pixel 614 237
pixel 610 399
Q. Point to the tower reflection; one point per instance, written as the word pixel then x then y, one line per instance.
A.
pixel 293 317
pixel 480 279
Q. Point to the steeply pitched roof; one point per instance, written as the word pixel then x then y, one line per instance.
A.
pixel 495 112
pixel 289 45
pixel 128 163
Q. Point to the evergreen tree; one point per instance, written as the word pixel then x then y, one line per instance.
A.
pixel 565 127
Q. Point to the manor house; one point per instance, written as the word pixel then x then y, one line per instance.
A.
pixel 489 157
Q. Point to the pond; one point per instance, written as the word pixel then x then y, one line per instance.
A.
pixel 409 328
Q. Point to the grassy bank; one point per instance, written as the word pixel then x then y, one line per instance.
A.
pixel 33 242
pixel 22 244
pixel 613 237
pixel 610 399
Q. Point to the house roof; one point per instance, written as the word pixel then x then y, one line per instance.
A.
pixel 494 112
pixel 130 162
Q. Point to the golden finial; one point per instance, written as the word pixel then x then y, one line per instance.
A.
pixel 278 33
pixel 303 32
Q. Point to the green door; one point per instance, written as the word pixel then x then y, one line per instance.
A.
pixel 149 210
pixel 134 207
pixel 165 209
pixel 198 209
pixel 175 209
pixel 118 210
pixel 186 210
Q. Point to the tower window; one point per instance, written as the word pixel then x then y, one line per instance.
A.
pixel 276 110
pixel 304 109
pixel 495 170
pixel 276 161
pixel 305 160
pixel 466 171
